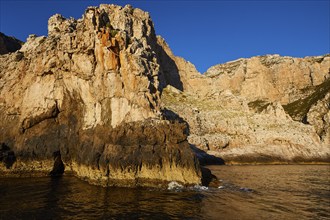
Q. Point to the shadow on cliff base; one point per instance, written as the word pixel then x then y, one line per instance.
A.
pixel 208 179
pixel 7 156
pixel 58 167
pixel 205 158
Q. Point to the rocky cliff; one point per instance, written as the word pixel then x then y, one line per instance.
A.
pixel 266 109
pixel 86 99
pixel 105 98
pixel 9 44
pixel 271 78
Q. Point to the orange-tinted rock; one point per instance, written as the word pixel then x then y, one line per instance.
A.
pixel 92 98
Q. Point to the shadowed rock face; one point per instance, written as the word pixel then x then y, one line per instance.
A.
pixel 7 157
pixel 86 99
pixel 9 44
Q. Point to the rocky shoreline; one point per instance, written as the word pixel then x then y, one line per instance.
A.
pixel 86 99
pixel 105 99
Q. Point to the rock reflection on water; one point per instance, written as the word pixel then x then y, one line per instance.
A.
pixel 246 192
pixel 69 197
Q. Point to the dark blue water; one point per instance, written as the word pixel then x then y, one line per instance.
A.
pixel 247 192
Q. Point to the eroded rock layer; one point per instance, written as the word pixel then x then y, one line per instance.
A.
pixel 86 99
pixel 267 109
pixel 106 99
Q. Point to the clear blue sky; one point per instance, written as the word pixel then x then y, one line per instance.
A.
pixel 204 32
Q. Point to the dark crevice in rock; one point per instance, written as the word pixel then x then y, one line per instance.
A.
pixel 47 73
pixel 97 158
pixel 104 20
pixel 7 156
pixel 55 110
pixel 305 120
pixel 58 168
pixel 311 75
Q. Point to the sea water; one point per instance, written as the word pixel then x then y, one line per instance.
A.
pixel 244 192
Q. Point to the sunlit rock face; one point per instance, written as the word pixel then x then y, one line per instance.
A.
pixel 266 109
pixel 272 77
pixel 88 97
pixel 103 97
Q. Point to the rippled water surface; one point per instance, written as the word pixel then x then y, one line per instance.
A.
pixel 246 192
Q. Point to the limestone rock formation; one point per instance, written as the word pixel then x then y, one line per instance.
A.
pixel 266 109
pixel 272 77
pixel 319 117
pixel 105 98
pixel 88 95
pixel 9 44
pixel 228 129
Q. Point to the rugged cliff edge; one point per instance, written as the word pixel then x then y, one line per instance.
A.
pixel 9 44
pixel 105 98
pixel 265 109
pixel 86 99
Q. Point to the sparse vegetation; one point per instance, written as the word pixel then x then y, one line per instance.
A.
pixel 258 105
pixel 299 109
pixel 173 99
pixel 113 33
